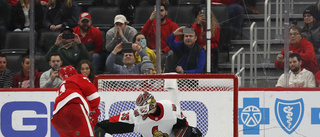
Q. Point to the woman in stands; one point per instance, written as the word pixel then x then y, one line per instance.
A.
pixel 85 67
pixel 20 16
pixel 61 13
pixel 311 29
pixel 141 40
pixel 21 80
pixel 200 26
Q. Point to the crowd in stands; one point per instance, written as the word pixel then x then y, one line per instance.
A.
pixel 126 49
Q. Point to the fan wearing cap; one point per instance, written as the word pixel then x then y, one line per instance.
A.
pixel 121 32
pixel 76 106
pixel 151 118
pixel 311 28
pixel 188 57
pixel 91 37
pixel 70 48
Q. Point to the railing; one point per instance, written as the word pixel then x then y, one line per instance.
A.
pixel 253 54
pixel 239 70
pixel 267 30
pixel 279 10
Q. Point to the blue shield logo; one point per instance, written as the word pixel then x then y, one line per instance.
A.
pixel 289 113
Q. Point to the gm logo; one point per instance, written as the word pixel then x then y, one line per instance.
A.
pixel 251 116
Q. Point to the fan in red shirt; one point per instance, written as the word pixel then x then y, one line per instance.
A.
pixel 303 47
pixel 76 107
pixel 91 37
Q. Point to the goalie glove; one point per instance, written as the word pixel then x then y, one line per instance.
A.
pixel 188 131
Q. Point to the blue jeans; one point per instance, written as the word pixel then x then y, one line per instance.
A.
pixel 236 14
pixel 96 61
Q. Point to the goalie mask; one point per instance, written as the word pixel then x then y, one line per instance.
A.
pixel 145 102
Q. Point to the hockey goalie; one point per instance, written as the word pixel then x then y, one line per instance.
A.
pixel 151 118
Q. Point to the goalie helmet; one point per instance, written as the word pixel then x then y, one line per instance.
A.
pixel 145 102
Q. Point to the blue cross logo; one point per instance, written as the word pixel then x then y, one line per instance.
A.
pixel 251 116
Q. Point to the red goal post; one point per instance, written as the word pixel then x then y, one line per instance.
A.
pixel 209 101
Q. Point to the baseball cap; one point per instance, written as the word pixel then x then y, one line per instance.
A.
pixel 120 18
pixel 67 71
pixel 85 15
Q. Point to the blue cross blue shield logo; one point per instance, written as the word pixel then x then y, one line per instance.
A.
pixel 289 114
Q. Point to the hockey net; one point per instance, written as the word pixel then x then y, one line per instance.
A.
pixel 210 102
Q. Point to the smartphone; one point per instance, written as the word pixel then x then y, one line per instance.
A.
pixel 188 30
pixel 67 36
pixel 155 7
pixel 143 43
pixel 127 48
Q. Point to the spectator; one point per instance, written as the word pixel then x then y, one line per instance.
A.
pixel 71 50
pixel 147 67
pixel 311 29
pixel 21 80
pixel 121 32
pixel 303 47
pixel 250 6
pixel 167 27
pixel 51 77
pixel 128 60
pixel 318 11
pixel 20 18
pixel 188 57
pixel 141 40
pixel 86 68
pixel 61 13
pixel 6 75
pixel 5 14
pixel 44 2
pixel 298 77
pixel 200 26
pixel 236 15
pixel 12 2
pixel 91 37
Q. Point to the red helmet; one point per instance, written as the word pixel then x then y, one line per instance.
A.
pixel 67 71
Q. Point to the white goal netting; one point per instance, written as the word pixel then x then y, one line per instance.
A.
pixel 208 101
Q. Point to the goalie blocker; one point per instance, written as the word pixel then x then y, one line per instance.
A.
pixel 188 132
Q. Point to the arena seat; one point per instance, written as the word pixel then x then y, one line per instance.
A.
pixel 47 39
pixel 16 42
pixel 103 17
pixel 183 15
pixel 14 62
pixel 141 15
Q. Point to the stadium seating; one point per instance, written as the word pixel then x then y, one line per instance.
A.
pixel 16 42
pixel 47 39
pixel 141 15
pixel 14 62
pixel 183 15
pixel 103 17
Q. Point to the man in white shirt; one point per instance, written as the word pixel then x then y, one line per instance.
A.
pixel 51 78
pixel 298 77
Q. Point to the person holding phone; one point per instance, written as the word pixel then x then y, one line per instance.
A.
pixel 70 48
pixel 188 57
pixel 128 59
pixel 141 40
pixel 51 78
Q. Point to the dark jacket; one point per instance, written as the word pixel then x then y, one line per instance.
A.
pixel 313 35
pixel 18 18
pixel 62 14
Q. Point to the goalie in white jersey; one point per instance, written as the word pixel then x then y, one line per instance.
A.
pixel 150 118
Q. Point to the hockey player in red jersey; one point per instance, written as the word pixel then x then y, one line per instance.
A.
pixel 76 107
pixel 150 118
